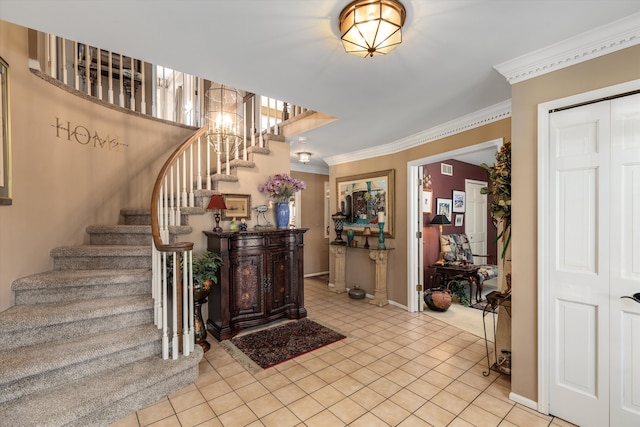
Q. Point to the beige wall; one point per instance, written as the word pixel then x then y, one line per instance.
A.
pixel 605 71
pixel 316 256
pixel 360 270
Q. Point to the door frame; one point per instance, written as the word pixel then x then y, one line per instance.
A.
pixel 544 240
pixel 415 223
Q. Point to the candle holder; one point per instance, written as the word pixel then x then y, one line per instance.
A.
pixel 338 219
pixel 381 236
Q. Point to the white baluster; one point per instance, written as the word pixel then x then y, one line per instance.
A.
pixel 218 161
pixel 208 165
pixel 199 165
pixel 192 329
pixel 65 77
pixel 227 152
pixel 143 103
pixel 87 68
pixel 52 63
pixel 99 75
pixel 132 99
pixel 185 302
pixel 75 66
pixel 185 200
pixel 174 308
pixel 110 90
pixel 244 131
pixel 192 201
pixel 165 332
pixel 121 97
pixel 253 121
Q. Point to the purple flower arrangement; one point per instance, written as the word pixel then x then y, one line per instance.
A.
pixel 281 187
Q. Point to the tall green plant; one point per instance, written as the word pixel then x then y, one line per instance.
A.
pixel 500 192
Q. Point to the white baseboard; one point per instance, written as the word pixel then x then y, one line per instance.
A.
pixel 531 404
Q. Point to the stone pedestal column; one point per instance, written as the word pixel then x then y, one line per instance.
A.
pixel 339 254
pixel 380 295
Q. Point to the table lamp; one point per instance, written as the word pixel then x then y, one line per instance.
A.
pixel 366 233
pixel 217 204
pixel 440 220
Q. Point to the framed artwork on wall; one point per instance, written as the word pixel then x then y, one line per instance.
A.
pixel 458 201
pixel 362 197
pixel 238 206
pixel 5 136
pixel 443 207
pixel 427 201
pixel 459 220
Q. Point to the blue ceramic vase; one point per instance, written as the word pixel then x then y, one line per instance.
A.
pixel 282 215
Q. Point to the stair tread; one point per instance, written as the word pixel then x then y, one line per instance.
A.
pixel 119 229
pixel 102 250
pixel 74 278
pixel 64 404
pixel 28 316
pixel 29 361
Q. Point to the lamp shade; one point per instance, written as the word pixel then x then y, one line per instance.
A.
pixel 371 28
pixel 216 202
pixel 440 220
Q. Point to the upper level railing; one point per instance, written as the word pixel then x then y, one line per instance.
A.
pixel 140 86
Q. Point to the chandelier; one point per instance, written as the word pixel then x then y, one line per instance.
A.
pixel 224 117
pixel 371 27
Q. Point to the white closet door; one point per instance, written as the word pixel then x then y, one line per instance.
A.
pixel 475 221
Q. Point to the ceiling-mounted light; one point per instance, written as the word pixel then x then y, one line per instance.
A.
pixel 304 157
pixel 369 28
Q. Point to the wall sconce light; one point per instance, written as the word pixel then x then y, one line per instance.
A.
pixel 304 157
pixel 217 204
pixel 369 28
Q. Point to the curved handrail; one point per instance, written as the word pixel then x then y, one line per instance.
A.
pixel 155 196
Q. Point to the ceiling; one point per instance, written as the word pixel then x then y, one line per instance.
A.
pixel 290 50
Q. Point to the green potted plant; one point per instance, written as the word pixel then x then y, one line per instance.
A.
pixel 500 192
pixel 459 292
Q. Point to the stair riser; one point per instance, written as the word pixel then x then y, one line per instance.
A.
pixel 112 412
pixel 15 339
pixel 70 373
pixel 49 295
pixel 120 239
pixel 100 263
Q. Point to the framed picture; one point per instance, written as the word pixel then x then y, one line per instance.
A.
pixel 365 197
pixel 5 136
pixel 427 201
pixel 458 201
pixel 459 220
pixel 443 207
pixel 238 206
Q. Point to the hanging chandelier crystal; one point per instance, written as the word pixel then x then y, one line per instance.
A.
pixel 371 28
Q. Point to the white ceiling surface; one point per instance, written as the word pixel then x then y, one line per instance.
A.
pixel 290 50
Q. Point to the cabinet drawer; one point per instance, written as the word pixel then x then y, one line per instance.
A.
pixel 281 240
pixel 246 243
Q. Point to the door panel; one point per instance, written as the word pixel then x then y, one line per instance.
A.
pixel 625 261
pixel 476 219
pixel 579 277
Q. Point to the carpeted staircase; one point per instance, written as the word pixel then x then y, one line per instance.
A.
pixel 79 348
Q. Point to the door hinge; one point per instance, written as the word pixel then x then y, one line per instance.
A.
pixel 418 234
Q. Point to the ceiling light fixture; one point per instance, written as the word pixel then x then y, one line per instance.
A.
pixel 304 157
pixel 369 28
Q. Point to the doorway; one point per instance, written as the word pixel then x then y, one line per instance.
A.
pixel 589 186
pixel 414 216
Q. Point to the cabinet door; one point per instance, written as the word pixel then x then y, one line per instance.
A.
pixel 282 293
pixel 247 287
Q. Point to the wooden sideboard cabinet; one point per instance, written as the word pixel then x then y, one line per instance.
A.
pixel 260 280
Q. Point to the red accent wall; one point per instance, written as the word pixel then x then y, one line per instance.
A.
pixel 443 186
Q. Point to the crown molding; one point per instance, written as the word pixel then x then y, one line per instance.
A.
pixel 482 117
pixel 603 40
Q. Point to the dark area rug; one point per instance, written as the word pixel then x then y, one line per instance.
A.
pixel 271 346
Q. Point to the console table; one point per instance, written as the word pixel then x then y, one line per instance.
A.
pixel 468 272
pixel 259 281
pixel 379 256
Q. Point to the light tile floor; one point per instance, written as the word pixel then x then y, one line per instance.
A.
pixel 394 369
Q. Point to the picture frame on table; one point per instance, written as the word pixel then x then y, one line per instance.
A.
pixel 362 197
pixel 238 206
pixel 443 207
pixel 459 201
